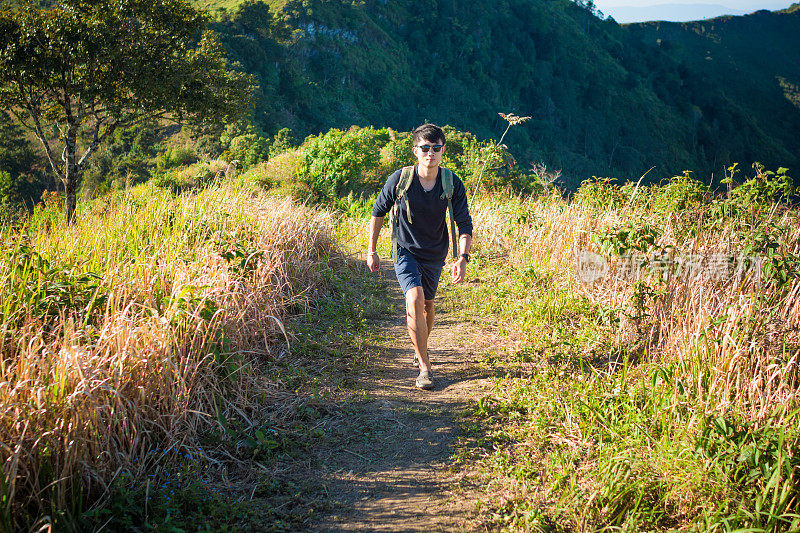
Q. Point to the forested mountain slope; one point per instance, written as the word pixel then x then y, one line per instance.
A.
pixel 606 99
pixel 744 83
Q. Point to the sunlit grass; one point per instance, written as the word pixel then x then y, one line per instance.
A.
pixel 134 328
pixel 637 405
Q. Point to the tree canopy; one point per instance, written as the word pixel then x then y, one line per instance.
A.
pixel 75 70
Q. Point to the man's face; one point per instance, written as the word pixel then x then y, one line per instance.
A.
pixel 431 158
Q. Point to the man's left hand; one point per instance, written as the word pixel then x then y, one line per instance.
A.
pixel 459 270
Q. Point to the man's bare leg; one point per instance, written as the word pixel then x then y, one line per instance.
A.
pixel 429 314
pixel 417 320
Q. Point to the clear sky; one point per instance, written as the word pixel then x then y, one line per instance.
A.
pixel 645 7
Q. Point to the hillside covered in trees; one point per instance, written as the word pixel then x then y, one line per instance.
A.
pixel 606 99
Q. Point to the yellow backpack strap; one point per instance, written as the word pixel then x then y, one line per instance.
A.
pixel 447 185
pixel 406 177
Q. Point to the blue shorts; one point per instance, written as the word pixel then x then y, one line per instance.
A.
pixel 411 272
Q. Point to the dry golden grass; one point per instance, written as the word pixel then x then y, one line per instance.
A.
pixel 84 397
pixel 737 342
pixel 279 171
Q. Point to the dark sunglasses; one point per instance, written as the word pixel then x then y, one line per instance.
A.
pixel 425 147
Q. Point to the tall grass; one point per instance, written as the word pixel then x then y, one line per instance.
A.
pixel 659 401
pixel 745 329
pixel 126 333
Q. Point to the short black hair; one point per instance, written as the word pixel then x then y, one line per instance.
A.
pixel 428 132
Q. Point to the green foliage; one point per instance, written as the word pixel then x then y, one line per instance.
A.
pixel 763 190
pixel 631 238
pixel 763 462
pixel 610 100
pixel 600 193
pixel 124 159
pixel 240 251
pixel 10 198
pixel 335 163
pixel 23 184
pixel 398 151
pixel 177 180
pixel 77 66
pixel 779 264
pixel 280 171
pixel 175 156
pixel 209 147
pixel 171 501
pixel 680 193
pixel 356 207
pixel 16 154
pixel 247 146
pixel 462 153
pixel 38 289
pixel 283 142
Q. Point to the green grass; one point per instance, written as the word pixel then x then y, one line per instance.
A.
pixel 579 436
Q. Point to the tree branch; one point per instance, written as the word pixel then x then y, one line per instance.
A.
pixel 40 135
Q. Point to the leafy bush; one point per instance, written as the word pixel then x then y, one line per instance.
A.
pixel 180 179
pixel 126 159
pixel 209 147
pixel 175 156
pixel 334 163
pixel 600 193
pixel 249 149
pixel 397 152
pixel 680 193
pixel 283 142
pixel 463 154
pixel 763 189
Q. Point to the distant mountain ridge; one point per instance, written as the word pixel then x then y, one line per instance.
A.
pixel 670 12
pixel 606 99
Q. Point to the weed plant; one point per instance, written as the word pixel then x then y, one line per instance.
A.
pixel 660 397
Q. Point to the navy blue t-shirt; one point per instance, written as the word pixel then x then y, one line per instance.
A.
pixel 427 236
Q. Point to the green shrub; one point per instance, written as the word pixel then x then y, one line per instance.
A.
pixel 249 149
pixel 335 163
pixel 283 142
pixel 397 152
pixel 175 156
pixel 680 193
pixel 600 193
pixel 762 190
pixel 209 147
pixel 462 153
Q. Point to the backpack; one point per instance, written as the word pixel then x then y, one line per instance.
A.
pixel 406 177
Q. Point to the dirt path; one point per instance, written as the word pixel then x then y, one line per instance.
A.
pixel 385 464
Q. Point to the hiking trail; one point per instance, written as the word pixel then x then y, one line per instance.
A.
pixel 385 463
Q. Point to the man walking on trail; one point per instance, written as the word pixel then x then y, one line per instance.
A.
pixel 421 196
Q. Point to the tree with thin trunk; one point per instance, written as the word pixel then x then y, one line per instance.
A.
pixel 74 70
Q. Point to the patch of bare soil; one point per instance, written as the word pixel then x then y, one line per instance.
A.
pixel 385 463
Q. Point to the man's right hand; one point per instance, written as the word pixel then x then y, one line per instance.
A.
pixel 373 261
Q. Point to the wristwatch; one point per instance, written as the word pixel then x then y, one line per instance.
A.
pixel 466 257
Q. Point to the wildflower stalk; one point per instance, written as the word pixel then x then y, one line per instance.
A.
pixel 512 120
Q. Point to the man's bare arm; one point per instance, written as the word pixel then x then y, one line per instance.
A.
pixel 460 266
pixel 464 243
pixel 373 260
